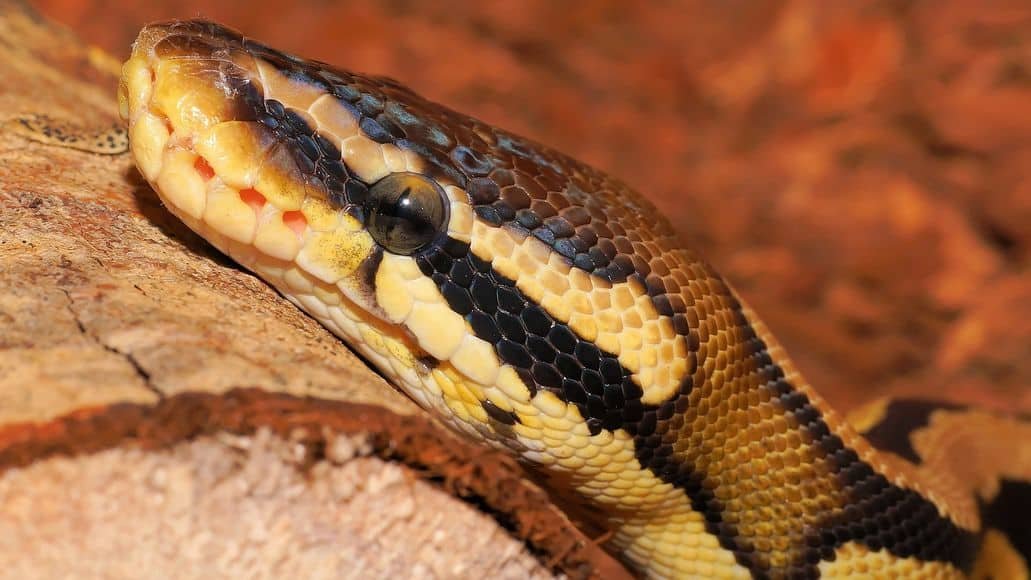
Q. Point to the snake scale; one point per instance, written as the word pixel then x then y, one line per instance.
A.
pixel 534 303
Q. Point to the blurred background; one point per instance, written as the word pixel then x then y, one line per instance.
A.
pixel 861 171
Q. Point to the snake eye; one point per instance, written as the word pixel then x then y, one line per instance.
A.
pixel 404 212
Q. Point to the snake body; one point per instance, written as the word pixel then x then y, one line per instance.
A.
pixel 540 306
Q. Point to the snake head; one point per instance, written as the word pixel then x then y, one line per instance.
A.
pixel 496 281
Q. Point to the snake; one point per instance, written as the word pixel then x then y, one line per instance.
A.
pixel 534 304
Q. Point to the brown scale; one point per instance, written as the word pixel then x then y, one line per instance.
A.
pixel 775 483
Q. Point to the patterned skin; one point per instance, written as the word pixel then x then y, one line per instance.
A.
pixel 534 303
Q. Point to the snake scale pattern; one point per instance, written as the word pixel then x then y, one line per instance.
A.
pixel 536 304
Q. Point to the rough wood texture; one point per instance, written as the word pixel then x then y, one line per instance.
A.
pixel 130 352
pixel 241 507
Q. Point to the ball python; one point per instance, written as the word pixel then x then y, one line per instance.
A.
pixel 533 303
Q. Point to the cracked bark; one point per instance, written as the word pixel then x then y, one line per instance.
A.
pixel 126 358
pixel 142 373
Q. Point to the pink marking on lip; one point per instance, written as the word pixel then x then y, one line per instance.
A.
pixel 253 198
pixel 296 221
pixel 203 169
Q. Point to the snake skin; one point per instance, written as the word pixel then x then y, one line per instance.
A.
pixel 557 315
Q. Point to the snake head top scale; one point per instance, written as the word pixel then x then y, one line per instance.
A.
pixel 529 301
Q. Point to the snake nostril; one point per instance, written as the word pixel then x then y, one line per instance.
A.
pixel 296 221
pixel 203 169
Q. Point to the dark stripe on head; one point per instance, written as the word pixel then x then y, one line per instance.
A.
pixel 316 158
